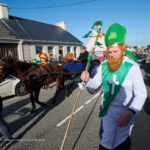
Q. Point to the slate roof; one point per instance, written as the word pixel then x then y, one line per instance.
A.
pixel 19 28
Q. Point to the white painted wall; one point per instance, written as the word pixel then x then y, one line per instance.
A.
pixel 30 50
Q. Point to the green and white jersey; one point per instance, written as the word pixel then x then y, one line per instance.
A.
pixel 130 89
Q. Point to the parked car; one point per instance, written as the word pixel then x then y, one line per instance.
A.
pixel 12 86
pixel 141 58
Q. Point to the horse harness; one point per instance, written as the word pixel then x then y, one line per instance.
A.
pixel 33 68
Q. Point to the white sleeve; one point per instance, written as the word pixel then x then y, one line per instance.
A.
pixel 97 79
pixel 139 89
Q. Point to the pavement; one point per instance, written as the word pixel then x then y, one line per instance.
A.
pixel 146 75
pixel 141 131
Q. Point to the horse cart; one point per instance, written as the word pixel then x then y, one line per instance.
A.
pixel 36 76
pixel 72 72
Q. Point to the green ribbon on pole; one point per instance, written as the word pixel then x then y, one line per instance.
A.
pixel 97 23
pixel 98 44
pixel 99 27
pixel 89 59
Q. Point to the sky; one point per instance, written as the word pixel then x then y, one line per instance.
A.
pixel 81 14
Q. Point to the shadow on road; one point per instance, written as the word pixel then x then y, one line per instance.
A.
pixel 20 108
pixel 24 117
pixel 85 123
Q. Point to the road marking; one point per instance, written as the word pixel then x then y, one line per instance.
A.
pixel 12 99
pixel 90 100
pixel 77 110
pixel 63 121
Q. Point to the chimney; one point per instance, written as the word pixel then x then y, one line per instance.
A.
pixel 3 11
pixel 62 24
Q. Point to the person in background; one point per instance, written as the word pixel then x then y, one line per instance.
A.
pixel 83 54
pixel 69 57
pixel 92 53
pixel 124 91
pixel 148 57
pixel 60 57
pixel 52 59
pixel 6 139
pixel 44 57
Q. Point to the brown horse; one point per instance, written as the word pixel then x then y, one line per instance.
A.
pixel 34 77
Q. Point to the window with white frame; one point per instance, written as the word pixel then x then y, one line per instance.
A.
pixel 38 49
pixel 75 52
pixel 68 49
pixel 50 50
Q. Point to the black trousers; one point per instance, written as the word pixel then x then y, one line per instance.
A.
pixel 123 146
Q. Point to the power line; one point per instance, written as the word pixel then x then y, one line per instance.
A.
pixel 55 6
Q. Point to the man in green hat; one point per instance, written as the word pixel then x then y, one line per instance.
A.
pixel 124 91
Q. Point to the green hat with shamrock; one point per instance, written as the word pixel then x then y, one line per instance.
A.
pixel 116 34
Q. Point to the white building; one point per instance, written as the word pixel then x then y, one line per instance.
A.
pixel 25 38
